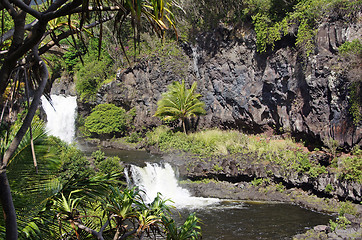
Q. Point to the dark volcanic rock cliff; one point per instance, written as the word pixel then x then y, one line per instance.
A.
pixel 280 90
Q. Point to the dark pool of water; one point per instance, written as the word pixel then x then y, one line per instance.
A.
pixel 136 157
pixel 235 220
pixel 231 221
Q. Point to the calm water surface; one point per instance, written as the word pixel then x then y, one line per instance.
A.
pixel 255 220
pixel 234 220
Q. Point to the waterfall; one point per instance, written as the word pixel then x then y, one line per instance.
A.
pixel 61 118
pixel 154 178
pixel 195 57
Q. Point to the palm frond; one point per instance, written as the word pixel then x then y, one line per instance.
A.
pixel 180 103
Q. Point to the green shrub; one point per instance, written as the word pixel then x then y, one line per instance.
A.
pixel 72 56
pixel 274 19
pixel 280 187
pixel 341 222
pixel 74 163
pixel 134 137
pixel 98 156
pixel 351 48
pixel 106 119
pixel 110 164
pixel 218 168
pixel 351 168
pixel 257 182
pixel 329 188
pixel 89 79
pixel 347 208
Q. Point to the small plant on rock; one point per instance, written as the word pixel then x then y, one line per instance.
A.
pixel 329 188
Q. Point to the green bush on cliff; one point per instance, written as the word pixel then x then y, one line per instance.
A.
pixel 274 19
pixel 351 53
pixel 351 168
pixel 93 71
pixel 106 119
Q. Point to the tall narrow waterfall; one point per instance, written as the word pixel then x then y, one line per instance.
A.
pixel 195 57
pixel 155 178
pixel 61 118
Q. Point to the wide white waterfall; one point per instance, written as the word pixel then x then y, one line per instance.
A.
pixel 61 118
pixel 154 178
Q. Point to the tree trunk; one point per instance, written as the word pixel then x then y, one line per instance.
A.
pixel 6 201
pixel 184 125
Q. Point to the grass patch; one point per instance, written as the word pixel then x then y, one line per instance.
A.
pixel 286 153
pixel 215 142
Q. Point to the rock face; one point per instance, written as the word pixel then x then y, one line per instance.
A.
pixel 278 91
pixel 242 168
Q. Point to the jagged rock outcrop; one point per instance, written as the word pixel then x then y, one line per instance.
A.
pixel 244 168
pixel 278 91
pixel 63 85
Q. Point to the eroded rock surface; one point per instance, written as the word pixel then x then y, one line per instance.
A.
pixel 278 91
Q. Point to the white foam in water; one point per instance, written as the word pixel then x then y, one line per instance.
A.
pixel 154 178
pixel 61 118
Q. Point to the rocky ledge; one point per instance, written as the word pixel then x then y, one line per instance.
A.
pixel 238 177
pixel 243 168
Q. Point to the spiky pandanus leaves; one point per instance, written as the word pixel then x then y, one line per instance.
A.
pixel 20 61
pixel 180 103
pixel 30 189
pixel 190 230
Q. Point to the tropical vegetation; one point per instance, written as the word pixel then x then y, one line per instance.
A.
pixel 29 33
pixel 106 119
pixel 180 103
pixel 287 153
pixel 86 200
pixel 33 30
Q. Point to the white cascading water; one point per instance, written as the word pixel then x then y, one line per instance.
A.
pixel 154 178
pixel 61 118
pixel 195 57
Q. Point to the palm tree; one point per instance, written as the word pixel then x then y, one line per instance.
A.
pixel 180 103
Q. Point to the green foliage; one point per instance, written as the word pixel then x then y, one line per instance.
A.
pixel 180 103
pixel 190 230
pixel 30 188
pixel 92 71
pixel 106 119
pixel 133 137
pixel 72 55
pixel 355 101
pixel 98 156
pixel 274 19
pixel 341 222
pixel 107 165
pixel 284 153
pixel 351 168
pixel 304 163
pixel 74 163
pixel 347 208
pixel 120 206
pixel 110 164
pixel 218 168
pixel 257 182
pixel 351 48
pixel 280 187
pixel 329 188
pixel 89 79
